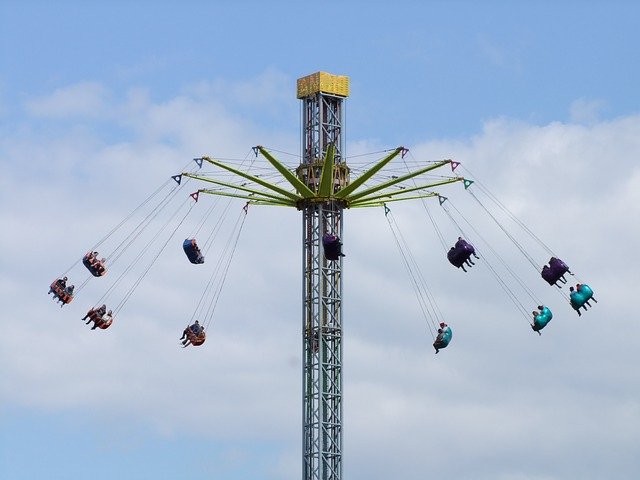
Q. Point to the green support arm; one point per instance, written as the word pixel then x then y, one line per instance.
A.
pixel 302 189
pixel 368 174
pixel 326 183
pixel 236 187
pixel 408 190
pixel 395 181
pixel 251 198
pixel 382 202
pixel 255 179
pixel 271 204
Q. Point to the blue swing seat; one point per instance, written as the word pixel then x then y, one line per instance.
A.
pixel 193 252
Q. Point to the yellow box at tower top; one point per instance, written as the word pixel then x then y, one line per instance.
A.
pixel 323 82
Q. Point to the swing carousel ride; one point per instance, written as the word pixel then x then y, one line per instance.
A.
pixel 324 185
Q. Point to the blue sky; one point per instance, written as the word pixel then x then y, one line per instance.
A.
pixel 465 63
pixel 102 101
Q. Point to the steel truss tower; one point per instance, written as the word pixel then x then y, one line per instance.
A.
pixel 322 189
pixel 322 126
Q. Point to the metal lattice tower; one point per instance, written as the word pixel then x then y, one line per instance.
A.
pixel 322 126
pixel 322 190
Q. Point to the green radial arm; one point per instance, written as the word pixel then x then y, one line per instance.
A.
pixel 368 174
pixel 409 190
pixel 251 198
pixel 237 187
pixel 257 180
pixel 382 202
pixel 395 181
pixel 302 189
pixel 326 182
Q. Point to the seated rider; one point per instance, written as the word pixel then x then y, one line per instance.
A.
pixel 193 252
pixel 332 246
pixel 199 256
pixel 460 254
pixel 580 297
pixel 195 329
pixel 585 289
pixel 107 317
pixel 463 244
pixel 100 311
pixel 103 319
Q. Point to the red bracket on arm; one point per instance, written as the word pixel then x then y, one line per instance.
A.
pixel 403 152
pixel 195 195
pixel 454 165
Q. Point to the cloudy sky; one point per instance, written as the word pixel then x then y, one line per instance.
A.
pixel 101 103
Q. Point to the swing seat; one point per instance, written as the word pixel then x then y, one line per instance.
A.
pixel 99 320
pixel 332 246
pixel 60 293
pixel 193 252
pixel 196 339
pixel 585 290
pixel 443 338
pixel 104 324
pixel 460 253
pixel 577 300
pixel 554 271
pixel 95 266
pixel 542 319
pixel 580 297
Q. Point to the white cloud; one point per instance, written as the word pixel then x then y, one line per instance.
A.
pixel 87 99
pixel 500 402
pixel 586 111
pixel 271 89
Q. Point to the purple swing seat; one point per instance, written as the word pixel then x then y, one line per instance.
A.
pixel 332 246
pixel 460 253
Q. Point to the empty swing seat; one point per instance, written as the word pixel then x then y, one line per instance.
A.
pixel 193 252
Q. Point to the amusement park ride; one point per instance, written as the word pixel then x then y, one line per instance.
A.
pixel 321 188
